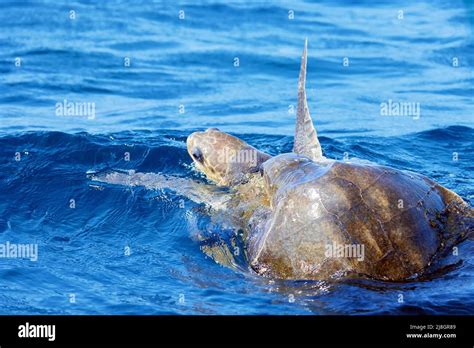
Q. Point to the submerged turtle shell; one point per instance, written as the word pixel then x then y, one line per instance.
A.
pixel 393 214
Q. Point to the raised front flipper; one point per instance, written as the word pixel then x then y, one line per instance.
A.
pixel 197 192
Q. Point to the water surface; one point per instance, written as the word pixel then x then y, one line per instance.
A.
pixel 182 77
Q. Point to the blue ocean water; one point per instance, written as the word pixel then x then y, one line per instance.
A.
pixel 153 78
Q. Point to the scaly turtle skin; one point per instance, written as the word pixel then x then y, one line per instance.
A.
pixel 297 209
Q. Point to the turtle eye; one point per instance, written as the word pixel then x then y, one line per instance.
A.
pixel 197 155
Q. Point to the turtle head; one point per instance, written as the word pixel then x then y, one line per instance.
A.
pixel 223 158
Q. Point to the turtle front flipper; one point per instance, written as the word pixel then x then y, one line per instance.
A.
pixel 197 192
pixel 306 138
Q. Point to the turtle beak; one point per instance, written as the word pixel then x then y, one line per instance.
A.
pixel 194 150
pixel 197 155
pixel 190 143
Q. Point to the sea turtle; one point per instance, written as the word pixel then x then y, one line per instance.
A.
pixel 309 217
pixel 305 216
